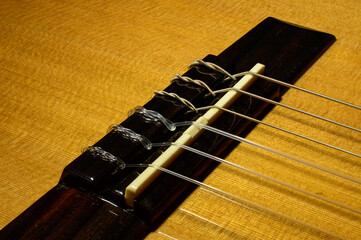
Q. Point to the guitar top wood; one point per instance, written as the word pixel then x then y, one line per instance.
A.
pixel 69 70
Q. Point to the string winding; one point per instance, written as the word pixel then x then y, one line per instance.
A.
pixel 98 152
pixel 153 116
pixel 131 135
pixel 195 81
pixel 182 100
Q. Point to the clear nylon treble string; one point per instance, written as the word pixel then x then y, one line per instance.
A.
pixel 155 116
pixel 229 76
pixel 171 126
pixel 149 145
pixel 106 156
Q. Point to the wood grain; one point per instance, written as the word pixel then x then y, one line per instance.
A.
pixel 69 70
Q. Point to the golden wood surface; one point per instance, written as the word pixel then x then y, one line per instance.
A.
pixel 69 69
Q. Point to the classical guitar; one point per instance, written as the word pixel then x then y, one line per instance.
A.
pixel 70 69
pixel 91 202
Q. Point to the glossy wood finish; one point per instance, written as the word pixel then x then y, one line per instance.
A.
pixel 52 47
pixel 67 213
pixel 272 43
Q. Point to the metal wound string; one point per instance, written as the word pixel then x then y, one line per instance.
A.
pixel 273 126
pixel 230 76
pixel 194 81
pixel 298 88
pixel 217 68
pixel 200 83
pixel 281 129
pixel 212 66
pixel 286 106
pixel 180 99
pixel 191 106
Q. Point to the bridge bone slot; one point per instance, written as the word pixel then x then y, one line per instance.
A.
pixel 188 137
